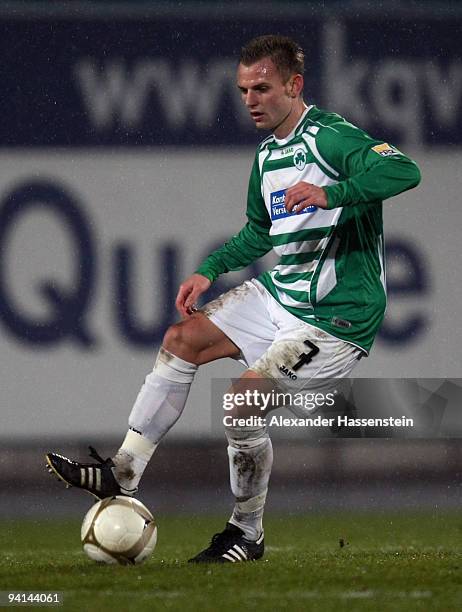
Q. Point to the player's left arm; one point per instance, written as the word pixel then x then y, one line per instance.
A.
pixel 369 170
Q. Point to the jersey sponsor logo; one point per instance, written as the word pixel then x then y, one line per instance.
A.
pixel 278 209
pixel 385 150
pixel 299 159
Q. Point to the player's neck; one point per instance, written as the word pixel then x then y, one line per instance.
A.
pixel 290 121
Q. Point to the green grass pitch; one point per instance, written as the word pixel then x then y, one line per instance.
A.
pixel 392 561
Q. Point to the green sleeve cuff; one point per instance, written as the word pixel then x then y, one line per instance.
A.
pixel 330 192
pixel 203 270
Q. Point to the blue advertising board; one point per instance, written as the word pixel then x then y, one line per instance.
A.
pixel 167 80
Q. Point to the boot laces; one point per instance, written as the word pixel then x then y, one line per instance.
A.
pixel 95 455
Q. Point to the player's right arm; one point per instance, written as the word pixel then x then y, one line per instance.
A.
pixel 252 242
pixel 249 244
pixel 189 292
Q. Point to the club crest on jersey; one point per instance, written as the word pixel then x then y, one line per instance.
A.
pixel 278 209
pixel 385 150
pixel 299 159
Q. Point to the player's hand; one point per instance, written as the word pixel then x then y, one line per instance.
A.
pixel 304 194
pixel 189 292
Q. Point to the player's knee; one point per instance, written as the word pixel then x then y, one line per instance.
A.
pixel 173 337
pixel 179 339
pixel 245 436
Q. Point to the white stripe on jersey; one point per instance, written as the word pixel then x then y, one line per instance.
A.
pixel 307 246
pixel 296 268
pixel 299 285
pixel 383 271
pixel 311 142
pixel 261 158
pixel 287 300
pixel 328 276
pixel 306 221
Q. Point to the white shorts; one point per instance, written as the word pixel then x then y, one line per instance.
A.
pixel 276 344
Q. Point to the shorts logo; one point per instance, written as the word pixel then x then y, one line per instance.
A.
pixel 300 159
pixel 285 370
pixel 385 150
pixel 278 210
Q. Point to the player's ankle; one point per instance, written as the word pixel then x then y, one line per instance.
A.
pixel 131 460
pixel 252 530
pixel 137 445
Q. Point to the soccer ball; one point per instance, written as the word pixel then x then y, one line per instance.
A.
pixel 119 530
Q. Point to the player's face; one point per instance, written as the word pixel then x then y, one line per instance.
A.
pixel 269 100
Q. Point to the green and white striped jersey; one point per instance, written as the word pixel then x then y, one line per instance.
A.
pixel 331 270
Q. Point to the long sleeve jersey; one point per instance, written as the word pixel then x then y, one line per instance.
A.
pixel 331 270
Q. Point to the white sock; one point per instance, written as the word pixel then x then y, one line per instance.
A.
pixel 131 459
pixel 158 406
pixel 250 463
pixel 248 516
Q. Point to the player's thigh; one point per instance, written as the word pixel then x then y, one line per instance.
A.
pixel 306 358
pixel 198 340
pixel 242 315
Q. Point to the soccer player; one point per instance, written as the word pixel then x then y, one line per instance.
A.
pixel 315 197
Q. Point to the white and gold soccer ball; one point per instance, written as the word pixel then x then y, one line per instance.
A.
pixel 119 530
